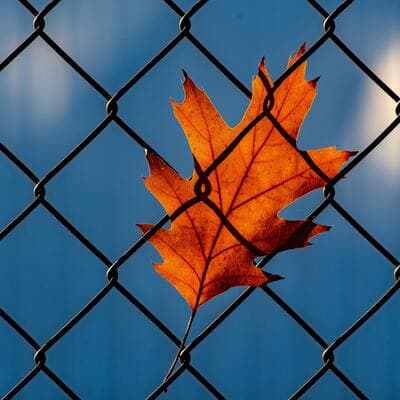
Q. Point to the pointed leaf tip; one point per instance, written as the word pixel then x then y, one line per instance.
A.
pixel 314 81
pixel 149 153
pixel 144 227
pixel 187 81
pixel 352 153
pixel 272 277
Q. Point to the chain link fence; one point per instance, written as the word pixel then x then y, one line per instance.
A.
pixel 329 20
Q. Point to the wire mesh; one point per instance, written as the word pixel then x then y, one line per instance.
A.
pixel 329 20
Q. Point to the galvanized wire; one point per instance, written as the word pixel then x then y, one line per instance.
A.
pixel 329 20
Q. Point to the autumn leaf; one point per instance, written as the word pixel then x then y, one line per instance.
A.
pixel 211 245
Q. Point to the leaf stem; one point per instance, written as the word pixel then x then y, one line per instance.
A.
pixel 196 304
pixel 182 345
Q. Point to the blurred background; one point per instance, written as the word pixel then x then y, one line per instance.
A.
pixel 48 276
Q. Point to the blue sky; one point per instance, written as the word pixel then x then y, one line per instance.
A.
pixel 48 276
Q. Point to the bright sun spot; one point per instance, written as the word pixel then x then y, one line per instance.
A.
pixel 377 111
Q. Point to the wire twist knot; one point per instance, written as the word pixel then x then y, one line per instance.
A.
pixel 329 192
pixel 327 356
pixel 329 24
pixel 397 109
pixel 185 357
pixel 40 357
pixel 112 273
pixel 39 23
pixel 396 273
pixel 185 24
pixel 112 107
pixel 39 191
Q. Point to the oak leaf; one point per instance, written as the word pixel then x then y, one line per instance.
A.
pixel 262 175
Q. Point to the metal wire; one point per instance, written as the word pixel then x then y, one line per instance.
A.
pixel 111 116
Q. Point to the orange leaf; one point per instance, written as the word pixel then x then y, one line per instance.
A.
pixel 261 176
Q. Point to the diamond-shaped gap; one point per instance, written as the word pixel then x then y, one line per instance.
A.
pixel 48 275
pixel 332 282
pixel 369 356
pixel 113 352
pixel 337 94
pixel 154 292
pixel 147 106
pixel 102 192
pixel 43 388
pixel 47 109
pixel 329 387
pixel 257 351
pixel 239 35
pixel 349 105
pixel 17 357
pixel 18 189
pixel 365 27
pixel 131 31
pixel 371 195
pixel 15 27
pixel 372 184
